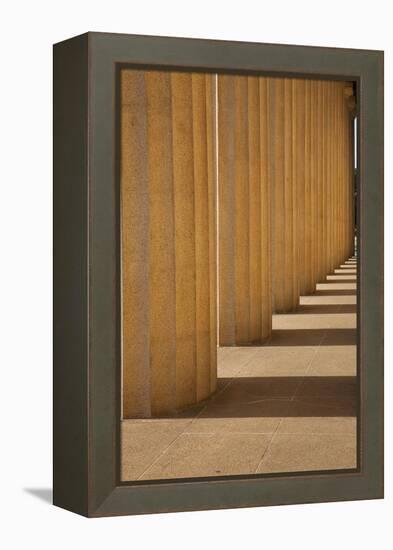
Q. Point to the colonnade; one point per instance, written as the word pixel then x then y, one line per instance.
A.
pixel 286 196
pixel 278 153
pixel 316 186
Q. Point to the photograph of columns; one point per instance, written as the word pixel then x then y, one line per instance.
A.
pixel 238 274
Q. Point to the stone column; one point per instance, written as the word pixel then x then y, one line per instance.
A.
pixel 168 235
pixel 244 211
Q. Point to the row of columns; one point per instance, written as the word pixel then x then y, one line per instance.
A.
pixel 285 190
pixel 313 207
pixel 278 152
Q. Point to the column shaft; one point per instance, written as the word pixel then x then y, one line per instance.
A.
pixel 168 182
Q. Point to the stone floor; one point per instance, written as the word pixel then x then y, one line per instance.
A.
pixel 287 406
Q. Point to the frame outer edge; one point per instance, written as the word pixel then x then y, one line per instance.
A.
pixel 105 496
pixel 70 265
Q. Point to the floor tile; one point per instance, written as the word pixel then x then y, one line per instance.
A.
pixel 336 287
pixel 345 271
pixel 235 423
pixel 299 321
pixel 325 299
pixel 296 453
pixel 238 454
pixel 302 337
pixel 323 406
pixel 340 337
pixel 318 424
pixel 342 277
pixel 279 362
pixel 234 359
pixel 264 408
pixel 342 320
pixel 317 308
pixel 334 361
pixel 154 425
pixel 328 386
pixel 252 389
pixel 139 450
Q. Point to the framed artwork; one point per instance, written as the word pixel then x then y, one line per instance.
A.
pixel 218 274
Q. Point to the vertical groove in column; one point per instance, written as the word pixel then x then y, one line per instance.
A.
pixel 325 265
pixel 202 256
pixel 341 179
pixel 314 176
pixel 162 253
pixel 350 163
pixel 333 170
pixel 345 188
pixel 242 253
pixel 319 184
pixel 266 203
pixel 254 208
pixel 336 176
pixel 330 264
pixel 134 245
pixel 324 182
pixel 299 166
pixel 307 192
pixel 183 176
pixel 226 189
pixel 277 90
pixel 295 207
pixel 352 183
pixel 290 286
pixel 211 114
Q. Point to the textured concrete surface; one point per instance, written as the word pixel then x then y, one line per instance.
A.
pixel 289 405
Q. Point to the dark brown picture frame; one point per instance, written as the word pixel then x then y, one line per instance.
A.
pixel 86 414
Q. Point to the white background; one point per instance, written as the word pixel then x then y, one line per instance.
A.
pixel 28 29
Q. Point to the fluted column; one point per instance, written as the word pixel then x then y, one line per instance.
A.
pixel 299 167
pixel 168 241
pixel 287 147
pixel 278 200
pixel 308 214
pixel 244 211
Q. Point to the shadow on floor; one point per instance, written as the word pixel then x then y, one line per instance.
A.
pixel 333 292
pixel 277 397
pixel 313 337
pixel 327 308
pixel 44 494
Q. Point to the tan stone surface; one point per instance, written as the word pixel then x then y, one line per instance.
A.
pixel 168 182
pixel 317 424
pixel 238 453
pixel 141 449
pixel 276 91
pixel 271 361
pixel 244 210
pixel 296 452
pixel 334 361
pixel 135 241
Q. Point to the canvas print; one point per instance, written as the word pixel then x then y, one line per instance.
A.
pixel 238 232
